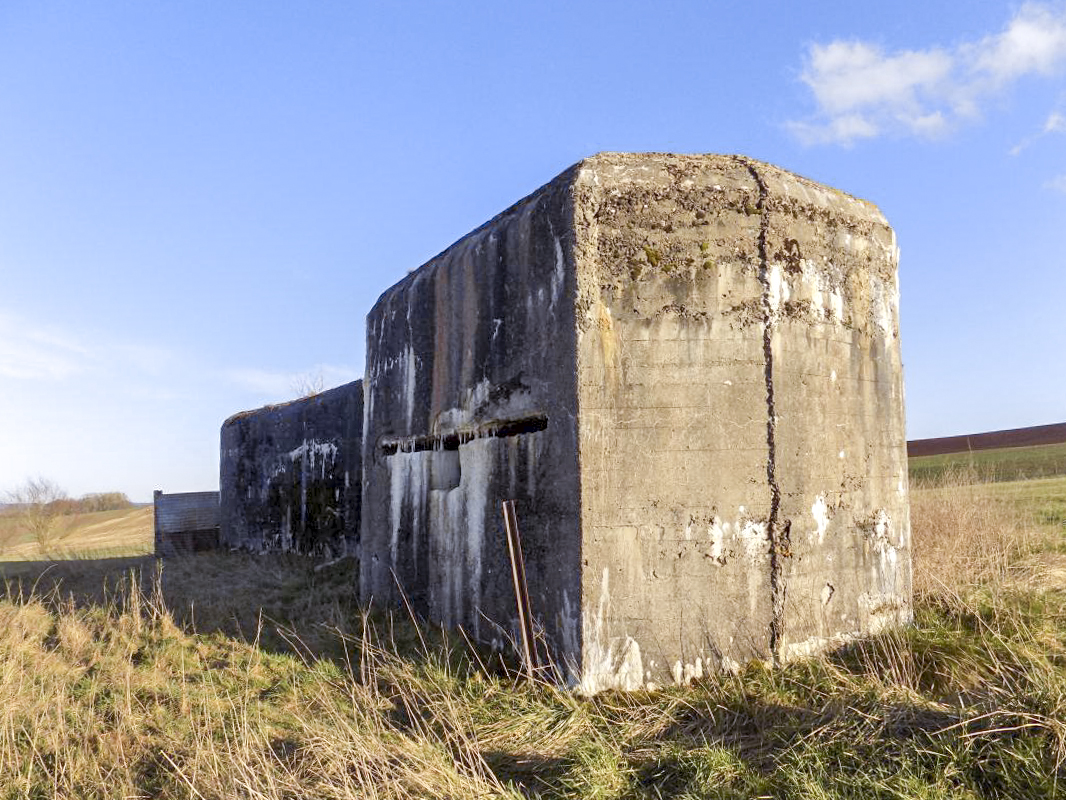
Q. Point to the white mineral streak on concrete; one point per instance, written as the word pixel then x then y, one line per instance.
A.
pixel 512 464
pixel 532 451
pixel 368 406
pixel 410 379
pixel 797 651
pixel 476 459
pixel 777 287
pixel 743 536
pixel 312 448
pixel 883 544
pixel 881 307
pixel 820 512
pixel 569 632
pixel 716 535
pixel 558 275
pixel 408 474
pixel 601 667
pixel 752 534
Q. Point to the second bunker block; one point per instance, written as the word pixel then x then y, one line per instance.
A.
pixel 686 371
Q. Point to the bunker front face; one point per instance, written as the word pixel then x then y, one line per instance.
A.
pixel 686 372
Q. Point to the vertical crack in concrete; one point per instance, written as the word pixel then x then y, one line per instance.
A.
pixel 776 532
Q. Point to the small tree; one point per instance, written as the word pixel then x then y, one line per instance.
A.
pixel 37 504
pixel 308 384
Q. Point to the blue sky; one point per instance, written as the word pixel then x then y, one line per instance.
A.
pixel 199 202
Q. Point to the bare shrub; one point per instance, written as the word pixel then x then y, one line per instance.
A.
pixel 308 384
pixel 37 505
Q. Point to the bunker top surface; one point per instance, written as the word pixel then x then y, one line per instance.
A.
pixel 685 213
pixel 298 404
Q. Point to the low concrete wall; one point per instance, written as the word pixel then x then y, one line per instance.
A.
pixel 290 474
pixel 186 522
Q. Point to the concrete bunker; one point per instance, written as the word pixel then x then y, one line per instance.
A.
pixel 290 475
pixel 686 371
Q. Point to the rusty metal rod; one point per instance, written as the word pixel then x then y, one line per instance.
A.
pixel 521 590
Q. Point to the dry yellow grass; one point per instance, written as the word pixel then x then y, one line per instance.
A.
pixel 103 533
pixel 236 676
pixel 969 533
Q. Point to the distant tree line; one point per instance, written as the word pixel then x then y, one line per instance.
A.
pixel 89 503
pixel 46 497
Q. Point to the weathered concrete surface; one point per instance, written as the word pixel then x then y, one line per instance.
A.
pixel 471 399
pixel 711 346
pixel 290 474
pixel 185 522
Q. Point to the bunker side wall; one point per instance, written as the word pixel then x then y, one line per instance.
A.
pixel 840 440
pixel 470 401
pixel 290 475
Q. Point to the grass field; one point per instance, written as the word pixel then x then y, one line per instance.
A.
pixel 126 532
pixel 1005 464
pixel 228 675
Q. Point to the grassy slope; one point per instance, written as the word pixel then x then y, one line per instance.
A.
pixel 104 533
pixel 240 676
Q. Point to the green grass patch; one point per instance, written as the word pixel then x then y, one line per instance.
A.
pixel 1005 464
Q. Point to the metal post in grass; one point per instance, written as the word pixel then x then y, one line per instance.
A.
pixel 521 590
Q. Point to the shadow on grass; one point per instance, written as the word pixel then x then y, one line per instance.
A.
pixel 285 603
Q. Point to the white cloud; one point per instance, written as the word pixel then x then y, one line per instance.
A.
pixel 1055 123
pixel 861 90
pixel 1034 42
pixel 1058 183
pixel 846 76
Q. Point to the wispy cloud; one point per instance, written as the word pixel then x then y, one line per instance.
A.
pixel 31 351
pixel 1058 183
pixel 862 91
pixel 1056 123
pixel 277 386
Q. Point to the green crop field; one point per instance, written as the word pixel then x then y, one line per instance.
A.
pixel 1004 464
